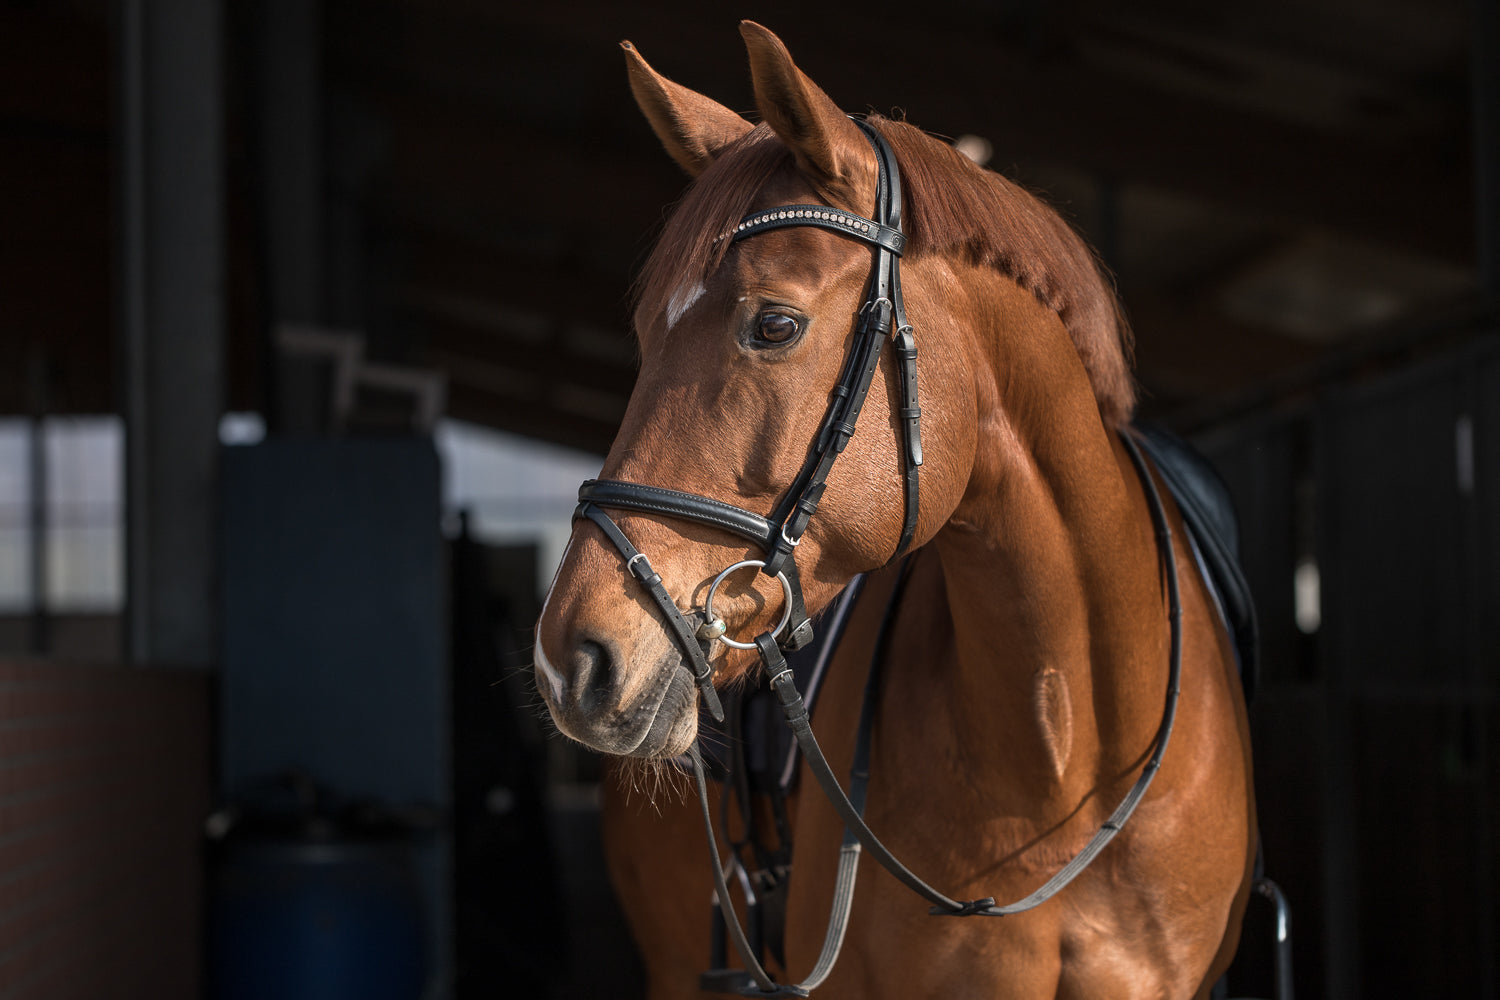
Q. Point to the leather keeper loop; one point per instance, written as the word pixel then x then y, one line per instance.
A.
pixel 770 654
pixel 878 317
pixel 845 432
pixel 781 990
pixel 799 635
pixel 776 559
pixel 800 632
pixel 972 908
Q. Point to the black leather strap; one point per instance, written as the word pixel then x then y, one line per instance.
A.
pixel 675 503
pixel 911 421
pixel 903 340
pixel 850 807
pixel 852 814
pixel 640 567
pixel 883 315
pixel 755 981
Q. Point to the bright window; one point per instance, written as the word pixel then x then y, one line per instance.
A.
pixel 516 490
pixel 83 546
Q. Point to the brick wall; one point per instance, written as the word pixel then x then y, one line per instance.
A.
pixel 104 784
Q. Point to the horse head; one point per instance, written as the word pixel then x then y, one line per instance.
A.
pixel 741 343
pixel 744 339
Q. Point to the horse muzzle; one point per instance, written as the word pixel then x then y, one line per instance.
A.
pixel 595 699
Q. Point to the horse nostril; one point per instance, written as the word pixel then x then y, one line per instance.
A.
pixel 595 675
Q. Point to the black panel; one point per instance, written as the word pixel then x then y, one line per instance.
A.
pixel 1263 463
pixel 1396 588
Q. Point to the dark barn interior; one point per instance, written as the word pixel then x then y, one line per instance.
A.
pixel 258 260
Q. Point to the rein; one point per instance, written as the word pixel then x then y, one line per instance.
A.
pixel 850 807
pixel 881 317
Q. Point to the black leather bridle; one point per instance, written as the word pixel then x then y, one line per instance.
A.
pixel 881 318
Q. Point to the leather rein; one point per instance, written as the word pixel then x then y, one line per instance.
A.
pixel 880 319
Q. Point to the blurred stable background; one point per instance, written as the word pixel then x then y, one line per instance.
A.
pixel 314 312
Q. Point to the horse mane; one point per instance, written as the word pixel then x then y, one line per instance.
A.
pixel 951 207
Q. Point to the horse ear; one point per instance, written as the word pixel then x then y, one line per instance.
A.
pixel 693 128
pixel 826 143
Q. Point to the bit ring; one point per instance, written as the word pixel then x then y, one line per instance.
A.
pixel 786 589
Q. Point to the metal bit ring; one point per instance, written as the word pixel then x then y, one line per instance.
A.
pixel 786 589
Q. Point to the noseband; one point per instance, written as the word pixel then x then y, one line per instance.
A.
pixel 882 318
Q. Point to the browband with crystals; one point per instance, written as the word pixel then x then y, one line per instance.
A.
pixel 845 223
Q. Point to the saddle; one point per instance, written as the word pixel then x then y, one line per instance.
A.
pixel 753 752
pixel 1214 537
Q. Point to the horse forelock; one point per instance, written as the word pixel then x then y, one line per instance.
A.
pixel 689 248
pixel 951 207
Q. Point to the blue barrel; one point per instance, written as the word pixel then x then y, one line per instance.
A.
pixel 316 920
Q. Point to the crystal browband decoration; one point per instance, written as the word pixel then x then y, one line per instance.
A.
pixel 811 213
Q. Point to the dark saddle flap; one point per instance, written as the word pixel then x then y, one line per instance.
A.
pixel 1208 512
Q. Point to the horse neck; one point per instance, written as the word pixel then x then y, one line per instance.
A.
pixel 1058 632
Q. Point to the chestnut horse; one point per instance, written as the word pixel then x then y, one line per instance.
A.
pixel 1026 666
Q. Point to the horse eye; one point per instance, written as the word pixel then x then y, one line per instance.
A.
pixel 777 328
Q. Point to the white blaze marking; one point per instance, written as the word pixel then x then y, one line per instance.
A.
pixel 547 672
pixel 555 683
pixel 682 300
